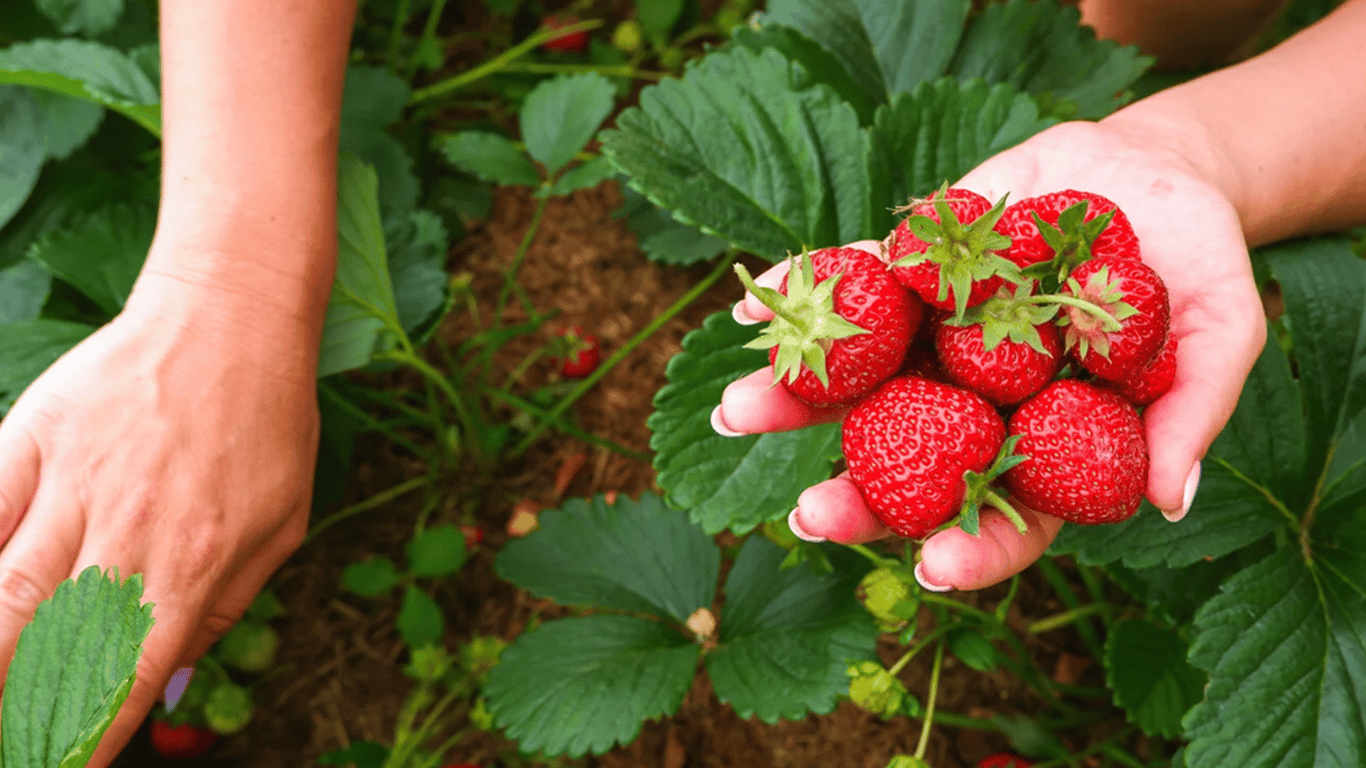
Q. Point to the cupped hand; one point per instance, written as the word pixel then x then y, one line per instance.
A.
pixel 1189 233
pixel 178 442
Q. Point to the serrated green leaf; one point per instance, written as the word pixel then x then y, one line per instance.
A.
pixel 913 42
pixel 362 296
pixel 23 148
pixel 657 17
pixel 438 551
pixel 747 147
pixel 838 26
pixel 419 620
pixel 635 556
pixel 374 98
pixel 787 637
pixel 490 157
pixel 360 754
pixel 584 684
pixel 944 129
pixel 86 70
pixel 84 17
pixel 586 175
pixel 370 578
pixel 733 483
pixel 28 347
pixel 66 190
pixel 102 254
pixel 417 243
pixel 662 237
pixel 1146 669
pixel 1041 48
pixel 1173 595
pixel 73 668
pixel 560 116
pixel 23 290
pixel 68 122
pixel 820 64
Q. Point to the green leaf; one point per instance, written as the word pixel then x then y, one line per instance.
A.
pixel 820 64
pixel 635 556
pixel 362 313
pixel 1146 669
pixel 751 150
pixel 787 637
pixel 1175 594
pixel 360 754
pixel 86 70
pixel 489 156
pixel 23 290
pixel 586 175
pixel 944 129
pixel 1041 48
pixel 584 684
pixel 371 578
pixel 913 42
pixel 72 670
pixel 68 121
pixel 974 650
pixel 728 482
pixel 102 254
pixel 657 17
pixel 662 237
pixel 374 98
pixel 23 148
pixel 83 17
pixel 66 190
pixel 560 116
pixel 438 551
pixel 419 620
pixel 417 243
pixel 28 347
pixel 838 26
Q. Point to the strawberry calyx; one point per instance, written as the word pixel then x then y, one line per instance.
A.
pixel 965 252
pixel 1086 331
pixel 805 322
pixel 980 490
pixel 1017 316
pixel 1070 239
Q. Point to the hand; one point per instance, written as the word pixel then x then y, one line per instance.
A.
pixel 178 441
pixel 1189 233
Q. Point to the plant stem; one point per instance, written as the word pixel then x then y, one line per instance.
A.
pixel 568 429
pixel 608 70
pixel 1059 583
pixel 930 701
pixel 1068 617
pixel 442 383
pixel 371 423
pixel 498 62
pixel 383 497
pixel 722 267
pixel 396 33
pixel 428 34
pixel 510 277
pixel 1100 746
pixel 873 557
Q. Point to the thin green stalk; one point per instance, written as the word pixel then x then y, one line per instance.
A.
pixel 442 383
pixel 955 720
pixel 510 277
pixel 1099 746
pixel 370 422
pixel 1068 617
pixel 428 34
pixel 722 267
pixel 873 557
pixel 498 62
pixel 1054 576
pixel 608 70
pixel 396 32
pixel 404 743
pixel 383 497
pixel 1096 590
pixel 924 642
pixel 522 368
pixel 440 751
pixel 1003 607
pixel 569 429
pixel 424 731
pixel 930 702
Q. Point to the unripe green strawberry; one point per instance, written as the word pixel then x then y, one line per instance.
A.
pixel 228 709
pixel 1135 296
pixel 628 37
pixel 249 646
pixel 875 689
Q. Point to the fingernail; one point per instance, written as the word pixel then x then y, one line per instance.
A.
pixel 1187 495
pixel 720 426
pixel 920 577
pixel 741 316
pixel 798 530
pixel 175 687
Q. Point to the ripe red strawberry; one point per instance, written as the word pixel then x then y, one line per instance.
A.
pixel 841 325
pixel 948 251
pixel 582 354
pixel 1135 296
pixel 1076 227
pixel 181 742
pixel 1152 382
pixel 574 42
pixel 920 452
pixel 474 536
pixel 1088 457
pixel 1005 349
pixel 1004 760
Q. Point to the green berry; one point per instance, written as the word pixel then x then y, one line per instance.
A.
pixel 228 709
pixel 628 37
pixel 875 689
pixel 249 646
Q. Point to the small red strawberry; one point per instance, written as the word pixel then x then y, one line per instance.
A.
pixel 582 354
pixel 841 325
pixel 1065 229
pixel 1088 457
pixel 574 42
pixel 948 251
pixel 921 452
pixel 1004 760
pixel 1153 381
pixel 1133 294
pixel 474 536
pixel 181 742
pixel 1005 349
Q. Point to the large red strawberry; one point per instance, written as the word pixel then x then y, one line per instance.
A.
pixel 1087 455
pixel 1152 382
pixel 948 251
pixel 1063 230
pixel 921 452
pixel 841 326
pixel 1005 349
pixel 1136 297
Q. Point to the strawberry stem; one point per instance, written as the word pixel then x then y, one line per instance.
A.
pixel 1109 323
pixel 1004 507
pixel 763 295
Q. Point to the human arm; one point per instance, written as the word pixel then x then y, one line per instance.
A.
pixel 178 441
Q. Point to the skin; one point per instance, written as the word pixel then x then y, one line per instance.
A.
pixel 1259 152
pixel 191 461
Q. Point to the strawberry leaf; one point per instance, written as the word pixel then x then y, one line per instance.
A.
pixel 733 483
pixel 489 156
pixel 838 27
pixel 24 288
pixel 1146 669
pixel 787 637
pixel 822 65
pixel 416 242
pixel 85 70
pixel 560 116
pixel 662 237
pixel 419 620
pixel 373 99
pixel 436 552
pixel 28 347
pixel 120 234
pixel 23 148
pixel 86 17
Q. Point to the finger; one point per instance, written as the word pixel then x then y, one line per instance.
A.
pixel 20 468
pixel 753 404
pixel 36 559
pixel 955 559
pixel 750 310
pixel 835 510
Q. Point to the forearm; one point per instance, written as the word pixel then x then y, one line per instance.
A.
pixel 1282 135
pixel 1181 34
pixel 251 102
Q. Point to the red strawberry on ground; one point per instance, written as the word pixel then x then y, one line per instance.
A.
pixel 1088 457
pixel 1134 295
pixel 1005 349
pixel 949 250
pixel 841 325
pixel 181 742
pixel 1065 229
pixel 1152 382
pixel 582 355
pixel 921 452
pixel 574 42
pixel 1004 760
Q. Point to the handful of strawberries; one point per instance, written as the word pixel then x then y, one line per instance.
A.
pixel 990 348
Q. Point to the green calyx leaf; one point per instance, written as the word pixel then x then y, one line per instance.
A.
pixel 980 490
pixel 1070 239
pixel 965 253
pixel 804 323
pixel 1015 316
pixel 1095 312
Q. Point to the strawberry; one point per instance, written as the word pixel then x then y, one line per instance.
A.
pixel 948 250
pixel 1088 457
pixel 582 354
pixel 249 646
pixel 1004 760
pixel 181 742
pixel 474 536
pixel 921 452
pixel 1134 295
pixel 1005 349
pixel 1063 230
pixel 1153 381
pixel 574 42
pixel 841 327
